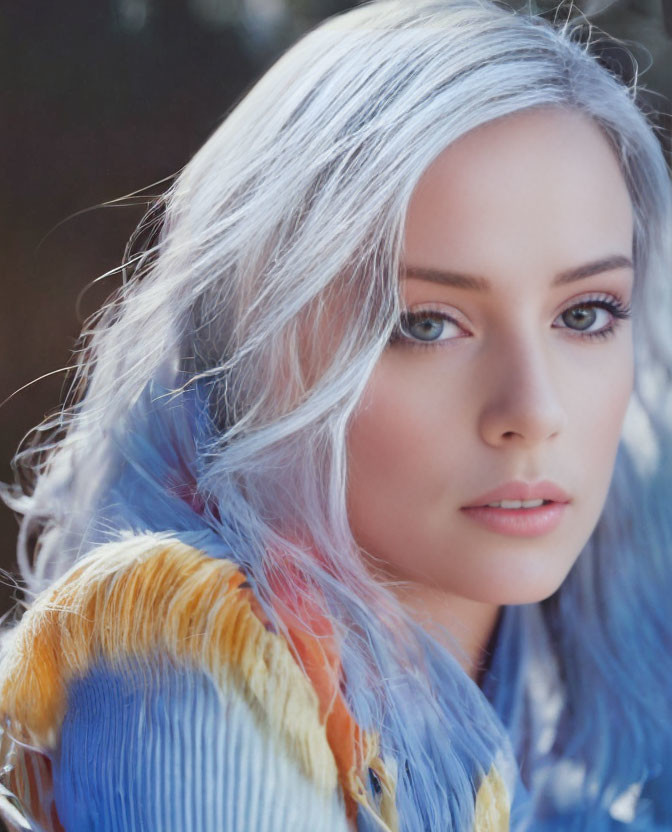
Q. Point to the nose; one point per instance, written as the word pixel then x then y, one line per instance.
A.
pixel 522 401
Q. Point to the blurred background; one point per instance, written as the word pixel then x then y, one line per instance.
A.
pixel 102 98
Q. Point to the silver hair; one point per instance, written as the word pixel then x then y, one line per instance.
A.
pixel 274 274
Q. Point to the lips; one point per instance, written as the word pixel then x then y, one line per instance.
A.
pixel 519 490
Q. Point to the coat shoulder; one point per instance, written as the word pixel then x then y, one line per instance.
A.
pixel 151 600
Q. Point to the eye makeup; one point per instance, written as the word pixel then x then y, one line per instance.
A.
pixel 618 310
pixel 614 305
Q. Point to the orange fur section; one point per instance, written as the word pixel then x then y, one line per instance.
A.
pixel 149 596
pixel 355 750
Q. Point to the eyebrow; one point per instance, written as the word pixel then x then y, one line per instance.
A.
pixel 466 281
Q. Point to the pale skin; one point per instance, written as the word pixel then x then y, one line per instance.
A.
pixel 511 387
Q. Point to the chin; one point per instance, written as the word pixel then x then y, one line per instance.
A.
pixel 528 595
pixel 508 593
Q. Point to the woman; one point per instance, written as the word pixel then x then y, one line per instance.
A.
pixel 422 268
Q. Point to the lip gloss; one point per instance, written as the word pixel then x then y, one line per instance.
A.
pixel 519 522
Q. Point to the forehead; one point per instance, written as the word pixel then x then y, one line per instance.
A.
pixel 541 189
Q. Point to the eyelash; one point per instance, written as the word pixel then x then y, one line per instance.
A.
pixel 614 305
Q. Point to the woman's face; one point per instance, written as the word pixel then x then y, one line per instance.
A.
pixel 521 372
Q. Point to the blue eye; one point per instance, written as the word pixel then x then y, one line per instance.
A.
pixel 426 326
pixel 581 316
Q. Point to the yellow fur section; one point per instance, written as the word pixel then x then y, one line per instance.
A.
pixel 151 594
pixel 387 777
pixel 492 804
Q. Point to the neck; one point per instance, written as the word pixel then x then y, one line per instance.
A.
pixel 463 626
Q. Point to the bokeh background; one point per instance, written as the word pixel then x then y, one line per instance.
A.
pixel 106 98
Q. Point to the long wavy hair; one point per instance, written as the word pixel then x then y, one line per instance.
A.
pixel 212 396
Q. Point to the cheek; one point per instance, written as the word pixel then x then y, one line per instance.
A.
pixel 400 452
pixel 598 409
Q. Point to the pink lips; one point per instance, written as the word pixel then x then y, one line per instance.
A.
pixel 521 522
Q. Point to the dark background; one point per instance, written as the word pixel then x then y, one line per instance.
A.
pixel 101 98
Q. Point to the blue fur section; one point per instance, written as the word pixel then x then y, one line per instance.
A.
pixel 152 747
